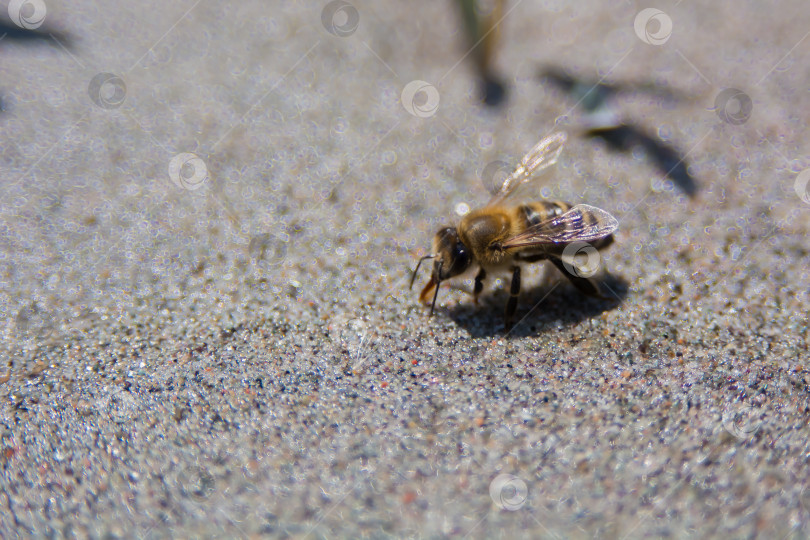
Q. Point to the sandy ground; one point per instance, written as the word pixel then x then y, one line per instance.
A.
pixel 210 212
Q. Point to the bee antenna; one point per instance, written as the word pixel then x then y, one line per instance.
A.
pixel 413 276
pixel 438 283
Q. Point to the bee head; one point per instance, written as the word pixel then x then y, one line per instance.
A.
pixel 452 258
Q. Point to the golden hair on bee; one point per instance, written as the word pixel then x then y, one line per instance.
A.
pixel 505 234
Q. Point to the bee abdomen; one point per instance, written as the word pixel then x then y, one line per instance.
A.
pixel 540 211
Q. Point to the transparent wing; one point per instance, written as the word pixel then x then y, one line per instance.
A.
pixel 541 157
pixel 582 223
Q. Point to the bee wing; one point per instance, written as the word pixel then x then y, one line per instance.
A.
pixel 582 223
pixel 541 157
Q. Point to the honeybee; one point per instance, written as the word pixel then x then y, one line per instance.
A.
pixel 505 234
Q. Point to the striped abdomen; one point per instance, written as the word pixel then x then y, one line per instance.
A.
pixel 537 212
pixel 540 211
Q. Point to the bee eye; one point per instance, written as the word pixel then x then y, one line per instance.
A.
pixel 461 259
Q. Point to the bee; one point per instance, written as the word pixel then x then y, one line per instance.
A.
pixel 505 234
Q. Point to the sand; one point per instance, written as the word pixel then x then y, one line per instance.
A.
pixel 211 213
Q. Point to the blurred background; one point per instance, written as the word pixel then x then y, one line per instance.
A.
pixel 210 212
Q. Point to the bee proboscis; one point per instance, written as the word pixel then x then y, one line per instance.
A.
pixel 505 234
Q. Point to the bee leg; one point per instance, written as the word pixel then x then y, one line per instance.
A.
pixel 584 285
pixel 479 285
pixel 424 296
pixel 511 305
